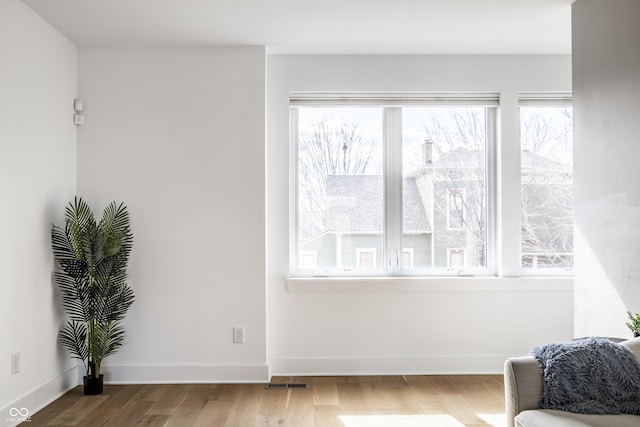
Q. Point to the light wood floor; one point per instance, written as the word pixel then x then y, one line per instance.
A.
pixel 361 401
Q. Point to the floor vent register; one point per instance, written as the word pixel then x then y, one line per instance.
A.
pixel 272 386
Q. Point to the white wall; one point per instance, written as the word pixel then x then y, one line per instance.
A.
pixel 409 326
pixel 179 136
pixel 606 85
pixel 37 178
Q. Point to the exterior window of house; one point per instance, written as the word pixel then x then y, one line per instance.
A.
pixel 546 142
pixel 456 258
pixel 366 258
pixel 407 257
pixel 308 259
pixel 455 208
pixel 388 183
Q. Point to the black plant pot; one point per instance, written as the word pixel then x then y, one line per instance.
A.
pixel 93 386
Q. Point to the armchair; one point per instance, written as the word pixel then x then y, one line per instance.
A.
pixel 523 392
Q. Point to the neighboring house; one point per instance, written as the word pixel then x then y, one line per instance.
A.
pixel 453 191
pixel 354 219
pixel 445 215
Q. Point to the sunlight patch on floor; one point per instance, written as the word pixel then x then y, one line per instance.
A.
pixel 421 420
pixel 495 420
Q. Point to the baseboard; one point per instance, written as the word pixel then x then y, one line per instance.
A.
pixel 22 408
pixel 427 365
pixel 181 374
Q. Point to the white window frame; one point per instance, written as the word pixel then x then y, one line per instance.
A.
pixel 392 171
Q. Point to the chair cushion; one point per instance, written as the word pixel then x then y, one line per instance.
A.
pixel 552 418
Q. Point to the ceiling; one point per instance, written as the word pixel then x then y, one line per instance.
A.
pixel 326 26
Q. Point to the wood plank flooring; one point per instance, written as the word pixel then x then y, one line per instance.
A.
pixel 358 401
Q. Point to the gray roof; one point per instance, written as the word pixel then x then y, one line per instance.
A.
pixel 354 203
pixel 460 157
pixel 534 162
pixel 466 157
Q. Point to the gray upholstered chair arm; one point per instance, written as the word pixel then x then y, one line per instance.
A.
pixel 523 385
pixel 634 345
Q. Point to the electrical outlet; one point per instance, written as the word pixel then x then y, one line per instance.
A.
pixel 15 363
pixel 238 335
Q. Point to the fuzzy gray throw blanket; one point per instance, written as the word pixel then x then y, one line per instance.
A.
pixel 590 376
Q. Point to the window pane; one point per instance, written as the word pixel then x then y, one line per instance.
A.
pixel 444 195
pixel 340 186
pixel 547 187
pixel 456 258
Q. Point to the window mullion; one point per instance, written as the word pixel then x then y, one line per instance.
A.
pixel 392 119
pixel 508 189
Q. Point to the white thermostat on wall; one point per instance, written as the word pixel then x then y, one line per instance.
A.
pixel 78 105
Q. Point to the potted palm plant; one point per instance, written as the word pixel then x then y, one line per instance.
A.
pixel 634 323
pixel 91 259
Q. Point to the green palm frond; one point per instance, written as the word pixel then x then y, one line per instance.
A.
pixel 107 338
pixel 74 296
pixel 118 302
pixel 114 228
pixel 634 322
pixel 73 336
pixel 79 218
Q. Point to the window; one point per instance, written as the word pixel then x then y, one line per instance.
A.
pixel 385 185
pixel 407 257
pixel 308 259
pixel 546 143
pixel 455 208
pixel 366 258
pixel 456 258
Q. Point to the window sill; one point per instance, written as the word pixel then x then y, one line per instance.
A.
pixel 430 284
